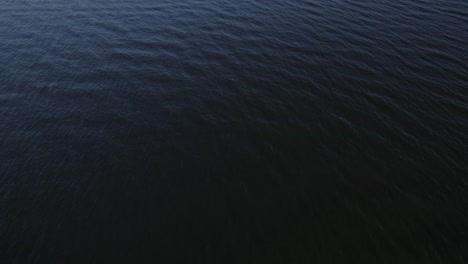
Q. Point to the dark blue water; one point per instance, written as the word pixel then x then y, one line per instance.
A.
pixel 250 131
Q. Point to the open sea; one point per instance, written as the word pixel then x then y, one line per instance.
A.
pixel 247 131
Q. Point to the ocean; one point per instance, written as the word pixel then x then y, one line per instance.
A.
pixel 249 131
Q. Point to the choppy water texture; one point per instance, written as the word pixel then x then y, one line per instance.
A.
pixel 250 131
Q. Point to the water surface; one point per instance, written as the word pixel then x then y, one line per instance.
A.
pixel 247 131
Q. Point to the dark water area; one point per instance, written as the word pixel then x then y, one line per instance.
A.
pixel 247 131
